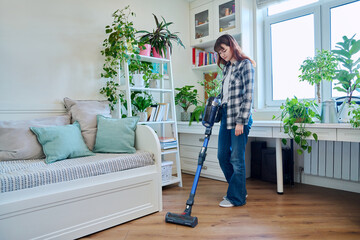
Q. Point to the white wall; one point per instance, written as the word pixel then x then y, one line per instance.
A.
pixel 51 49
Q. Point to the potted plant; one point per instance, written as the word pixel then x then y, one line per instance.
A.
pixel 160 38
pixel 321 67
pixel 355 112
pixel 294 117
pixel 348 77
pixel 119 45
pixel 212 89
pixel 141 73
pixel 186 97
pixel 141 101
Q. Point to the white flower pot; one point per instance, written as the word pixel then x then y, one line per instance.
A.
pixel 154 83
pixel 143 116
pixel 138 80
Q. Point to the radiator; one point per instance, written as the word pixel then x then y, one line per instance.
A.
pixel 338 160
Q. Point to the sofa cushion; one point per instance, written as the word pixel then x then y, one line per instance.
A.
pixel 61 142
pixel 115 135
pixel 85 112
pixel 18 142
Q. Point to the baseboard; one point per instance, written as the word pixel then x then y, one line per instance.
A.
pixel 331 183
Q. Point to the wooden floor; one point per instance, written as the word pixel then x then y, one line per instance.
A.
pixel 302 212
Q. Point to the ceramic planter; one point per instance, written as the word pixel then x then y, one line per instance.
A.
pixel 154 83
pixel 157 55
pixel 143 116
pixel 145 50
pixel 138 80
pixel 185 116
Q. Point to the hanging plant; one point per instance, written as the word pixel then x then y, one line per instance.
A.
pixel 294 117
pixel 119 46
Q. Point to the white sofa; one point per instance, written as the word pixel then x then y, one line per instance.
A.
pixel 76 208
pixel 69 210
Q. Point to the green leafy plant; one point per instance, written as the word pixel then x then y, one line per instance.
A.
pixel 186 97
pixel 294 117
pixel 146 68
pixel 161 37
pixel 348 76
pixel 355 111
pixel 213 89
pixel 321 67
pixel 120 45
pixel 141 100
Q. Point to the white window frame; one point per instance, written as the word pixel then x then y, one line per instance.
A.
pixel 326 43
pixel 321 11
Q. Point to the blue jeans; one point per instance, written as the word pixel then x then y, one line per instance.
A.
pixel 231 155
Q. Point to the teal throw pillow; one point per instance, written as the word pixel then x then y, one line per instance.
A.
pixel 115 135
pixel 61 142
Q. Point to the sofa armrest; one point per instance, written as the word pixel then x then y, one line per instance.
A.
pixel 147 140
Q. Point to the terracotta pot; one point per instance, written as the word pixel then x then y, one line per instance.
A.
pixel 145 50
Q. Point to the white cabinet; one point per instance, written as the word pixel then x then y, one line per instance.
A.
pixel 163 94
pixel 202 24
pixel 211 19
pixel 227 17
pixel 190 145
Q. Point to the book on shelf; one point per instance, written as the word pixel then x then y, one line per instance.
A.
pixel 158 112
pixel 200 57
pixel 167 139
pixel 168 142
pixel 168 145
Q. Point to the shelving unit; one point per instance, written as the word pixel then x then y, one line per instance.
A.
pixel 164 93
pixel 207 68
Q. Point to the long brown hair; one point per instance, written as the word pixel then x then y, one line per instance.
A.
pixel 229 40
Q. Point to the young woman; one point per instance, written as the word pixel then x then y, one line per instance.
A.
pixel 236 100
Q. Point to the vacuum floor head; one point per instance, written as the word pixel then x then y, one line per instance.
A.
pixel 181 219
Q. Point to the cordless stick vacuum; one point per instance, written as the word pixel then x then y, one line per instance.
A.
pixel 210 116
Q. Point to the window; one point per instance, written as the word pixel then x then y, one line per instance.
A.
pixel 344 21
pixel 289 52
pixel 293 33
pixel 288 5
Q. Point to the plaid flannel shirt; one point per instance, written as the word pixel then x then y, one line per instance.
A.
pixel 240 92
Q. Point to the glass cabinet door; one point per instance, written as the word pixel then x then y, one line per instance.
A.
pixel 227 17
pixel 202 25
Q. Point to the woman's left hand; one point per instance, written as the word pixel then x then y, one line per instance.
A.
pixel 239 129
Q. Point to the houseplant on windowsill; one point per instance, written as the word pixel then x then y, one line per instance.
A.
pixel 186 97
pixel 160 38
pixel 294 117
pixel 321 67
pixel 119 46
pixel 355 111
pixel 347 76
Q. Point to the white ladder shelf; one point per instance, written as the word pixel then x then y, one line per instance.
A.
pixel 176 178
